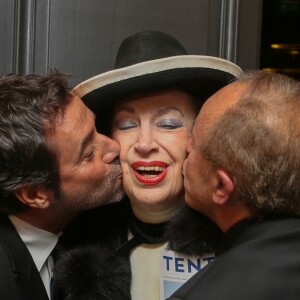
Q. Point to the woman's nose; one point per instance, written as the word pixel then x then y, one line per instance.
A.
pixel 146 142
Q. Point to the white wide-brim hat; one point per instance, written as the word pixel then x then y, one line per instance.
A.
pixel 150 61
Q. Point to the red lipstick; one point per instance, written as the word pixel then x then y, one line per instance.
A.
pixel 150 173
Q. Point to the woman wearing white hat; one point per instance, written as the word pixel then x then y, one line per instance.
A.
pixel 148 103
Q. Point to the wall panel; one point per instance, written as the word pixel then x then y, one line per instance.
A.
pixel 81 37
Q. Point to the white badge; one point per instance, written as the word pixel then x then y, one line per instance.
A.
pixel 177 269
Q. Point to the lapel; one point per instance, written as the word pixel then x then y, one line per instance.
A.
pixel 27 276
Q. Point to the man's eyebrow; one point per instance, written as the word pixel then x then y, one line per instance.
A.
pixel 86 140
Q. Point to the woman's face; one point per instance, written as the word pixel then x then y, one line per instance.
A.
pixel 153 130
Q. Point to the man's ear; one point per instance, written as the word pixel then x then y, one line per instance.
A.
pixel 34 196
pixel 223 187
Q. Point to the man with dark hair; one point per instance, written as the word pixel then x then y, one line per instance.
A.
pixel 53 165
pixel 243 172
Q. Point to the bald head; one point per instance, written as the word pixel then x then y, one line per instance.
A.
pixel 216 105
pixel 251 129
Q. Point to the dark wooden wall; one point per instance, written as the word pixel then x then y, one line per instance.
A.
pixel 81 37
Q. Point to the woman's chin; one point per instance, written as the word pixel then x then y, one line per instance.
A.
pixel 159 210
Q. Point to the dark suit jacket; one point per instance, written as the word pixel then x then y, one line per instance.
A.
pixel 257 260
pixel 19 277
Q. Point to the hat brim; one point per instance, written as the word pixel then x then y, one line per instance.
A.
pixel 200 75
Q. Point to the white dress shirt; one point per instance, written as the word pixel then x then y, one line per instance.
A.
pixel 40 244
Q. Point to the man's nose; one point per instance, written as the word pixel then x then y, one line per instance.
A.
pixel 111 149
pixel 188 146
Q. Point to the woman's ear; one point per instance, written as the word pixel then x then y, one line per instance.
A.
pixel 223 187
pixel 34 196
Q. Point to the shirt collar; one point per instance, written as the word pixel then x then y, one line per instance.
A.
pixel 39 242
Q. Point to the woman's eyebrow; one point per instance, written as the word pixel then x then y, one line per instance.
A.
pixel 124 108
pixel 165 110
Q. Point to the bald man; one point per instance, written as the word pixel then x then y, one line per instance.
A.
pixel 243 173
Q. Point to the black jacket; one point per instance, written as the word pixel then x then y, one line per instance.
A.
pixel 256 260
pixel 19 277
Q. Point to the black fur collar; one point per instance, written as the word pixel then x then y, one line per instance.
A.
pixel 91 272
pixel 192 233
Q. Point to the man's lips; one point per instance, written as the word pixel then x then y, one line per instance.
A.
pixel 152 172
